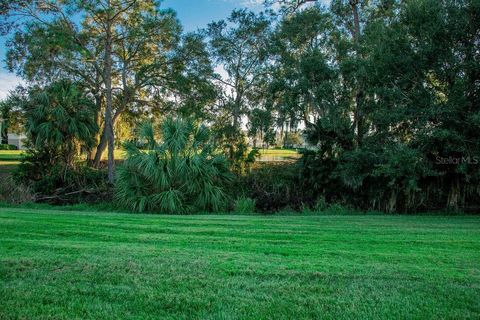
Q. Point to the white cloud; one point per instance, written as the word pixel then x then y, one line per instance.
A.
pixel 221 71
pixel 252 3
pixel 8 81
pixel 259 4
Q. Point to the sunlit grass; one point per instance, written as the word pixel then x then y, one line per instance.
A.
pixel 8 155
pixel 9 160
pixel 278 154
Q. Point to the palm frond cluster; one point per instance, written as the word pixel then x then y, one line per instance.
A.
pixel 181 173
pixel 60 122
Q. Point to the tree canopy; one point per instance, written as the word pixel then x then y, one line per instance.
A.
pixel 385 93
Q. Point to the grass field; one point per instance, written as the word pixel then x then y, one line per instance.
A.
pixel 16 155
pixel 11 155
pixel 9 159
pixel 58 264
pixel 265 154
pixel 278 154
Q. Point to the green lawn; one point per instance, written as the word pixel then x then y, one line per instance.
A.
pixel 11 155
pixel 265 154
pixel 278 154
pixel 59 264
pixel 9 159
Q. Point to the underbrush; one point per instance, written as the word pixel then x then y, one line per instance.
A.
pixel 244 205
pixel 62 185
pixel 273 187
pixel 13 192
pixel 8 147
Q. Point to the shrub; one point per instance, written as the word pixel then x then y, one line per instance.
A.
pixel 8 147
pixel 244 205
pixel 183 173
pixel 13 192
pixel 60 125
pixel 63 185
pixel 274 186
pixel 321 204
pixel 337 209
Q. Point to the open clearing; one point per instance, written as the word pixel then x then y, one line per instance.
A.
pixel 9 159
pixel 61 264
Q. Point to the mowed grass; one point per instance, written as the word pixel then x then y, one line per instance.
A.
pixel 13 157
pixel 9 160
pixel 278 154
pixel 67 265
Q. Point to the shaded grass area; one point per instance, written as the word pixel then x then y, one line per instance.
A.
pixel 8 166
pixel 73 264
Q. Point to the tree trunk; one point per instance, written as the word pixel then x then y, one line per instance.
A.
pixel 102 144
pixel 236 112
pixel 91 156
pixel 108 109
pixel 454 195
pixel 357 114
pixel 4 131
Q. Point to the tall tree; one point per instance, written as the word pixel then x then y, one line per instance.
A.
pixel 347 20
pixel 237 46
pixel 5 110
pixel 129 54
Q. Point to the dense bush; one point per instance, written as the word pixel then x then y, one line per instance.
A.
pixel 13 192
pixel 8 147
pixel 244 205
pixel 58 184
pixel 59 125
pixel 60 122
pixel 182 173
pixel 273 186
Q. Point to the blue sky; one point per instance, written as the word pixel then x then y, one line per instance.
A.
pixel 193 14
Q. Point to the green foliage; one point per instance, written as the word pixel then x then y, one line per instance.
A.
pixel 394 108
pixel 13 192
pixel 386 91
pixel 244 205
pixel 60 122
pixel 273 186
pixel 292 139
pixel 8 147
pixel 60 126
pixel 57 184
pixel 183 173
pixel 234 144
pixel 321 204
pixel 10 117
pixel 237 45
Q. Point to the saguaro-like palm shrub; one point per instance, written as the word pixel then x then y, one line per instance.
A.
pixel 181 173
